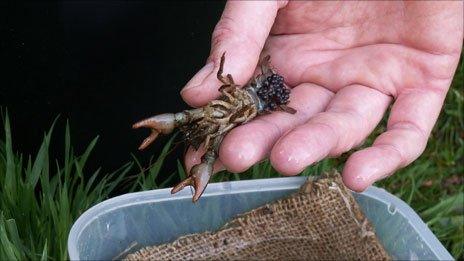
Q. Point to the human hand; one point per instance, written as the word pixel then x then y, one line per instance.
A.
pixel 346 62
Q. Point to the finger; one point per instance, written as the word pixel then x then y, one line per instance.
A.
pixel 250 143
pixel 241 33
pixel 351 115
pixel 387 67
pixel 411 121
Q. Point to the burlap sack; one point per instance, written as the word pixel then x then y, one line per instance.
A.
pixel 320 221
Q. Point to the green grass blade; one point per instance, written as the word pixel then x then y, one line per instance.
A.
pixel 12 231
pixel 38 164
pixel 91 181
pixel 121 174
pixel 167 180
pixel 150 181
pixel 10 179
pixel 444 207
pixel 85 156
pixel 44 256
pixel 9 251
pixel 257 171
pixel 67 153
pixel 181 171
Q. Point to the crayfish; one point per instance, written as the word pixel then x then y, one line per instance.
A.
pixel 209 124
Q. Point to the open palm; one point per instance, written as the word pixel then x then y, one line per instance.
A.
pixel 346 62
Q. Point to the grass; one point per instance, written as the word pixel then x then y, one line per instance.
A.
pixel 40 198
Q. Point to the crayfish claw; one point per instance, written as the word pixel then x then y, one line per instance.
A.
pixel 186 182
pixel 163 123
pixel 147 141
pixel 199 178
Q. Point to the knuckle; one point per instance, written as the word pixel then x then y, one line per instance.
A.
pixel 223 30
pixel 226 31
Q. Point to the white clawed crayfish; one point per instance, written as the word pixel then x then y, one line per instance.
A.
pixel 209 124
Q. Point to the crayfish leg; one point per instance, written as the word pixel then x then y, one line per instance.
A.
pixel 287 109
pixel 265 65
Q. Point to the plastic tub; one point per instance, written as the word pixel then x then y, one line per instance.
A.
pixel 154 217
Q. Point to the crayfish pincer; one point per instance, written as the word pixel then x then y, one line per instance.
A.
pixel 208 125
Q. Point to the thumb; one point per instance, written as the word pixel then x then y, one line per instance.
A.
pixel 241 33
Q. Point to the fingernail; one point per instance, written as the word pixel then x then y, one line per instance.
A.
pixel 201 75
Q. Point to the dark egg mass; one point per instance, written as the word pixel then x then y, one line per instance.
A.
pixel 273 92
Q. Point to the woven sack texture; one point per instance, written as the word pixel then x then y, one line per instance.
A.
pixel 322 221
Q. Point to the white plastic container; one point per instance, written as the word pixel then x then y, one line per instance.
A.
pixel 154 217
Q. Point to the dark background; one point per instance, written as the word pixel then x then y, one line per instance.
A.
pixel 103 65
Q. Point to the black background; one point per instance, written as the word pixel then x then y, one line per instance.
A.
pixel 103 65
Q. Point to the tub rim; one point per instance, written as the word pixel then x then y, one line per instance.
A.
pixel 244 186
